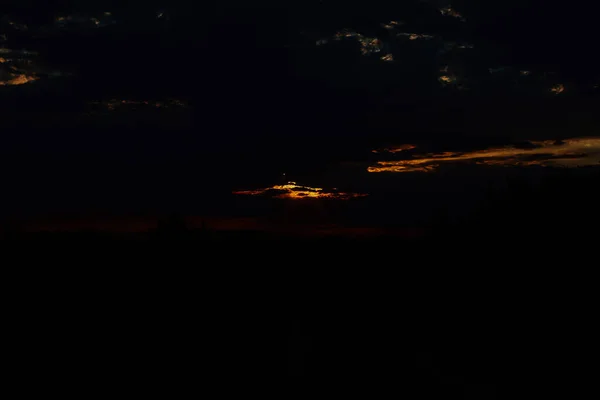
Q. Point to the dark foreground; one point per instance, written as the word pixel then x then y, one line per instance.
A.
pixel 458 314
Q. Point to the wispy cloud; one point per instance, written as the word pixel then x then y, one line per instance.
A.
pixel 570 153
pixel 451 12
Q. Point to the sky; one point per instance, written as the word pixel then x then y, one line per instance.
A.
pixel 272 87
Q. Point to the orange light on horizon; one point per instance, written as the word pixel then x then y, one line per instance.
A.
pixel 291 190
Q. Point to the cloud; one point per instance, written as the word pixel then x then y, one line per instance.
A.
pixel 451 12
pixel 569 153
pixel 396 149
pixel 291 190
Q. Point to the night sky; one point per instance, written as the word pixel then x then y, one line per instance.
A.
pixel 264 87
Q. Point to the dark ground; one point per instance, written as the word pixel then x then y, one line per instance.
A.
pixel 87 314
pixel 496 307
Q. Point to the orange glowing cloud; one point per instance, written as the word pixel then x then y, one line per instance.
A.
pixel 570 153
pixel 558 89
pixel 293 191
pixel 19 80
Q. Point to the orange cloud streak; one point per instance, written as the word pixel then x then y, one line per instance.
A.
pixel 570 153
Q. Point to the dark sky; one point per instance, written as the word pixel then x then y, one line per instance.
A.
pixel 253 67
pixel 242 47
pixel 554 33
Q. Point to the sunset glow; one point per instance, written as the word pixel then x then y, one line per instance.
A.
pixel 18 80
pixel 291 190
pixel 558 89
pixel 570 153
pixel 447 79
